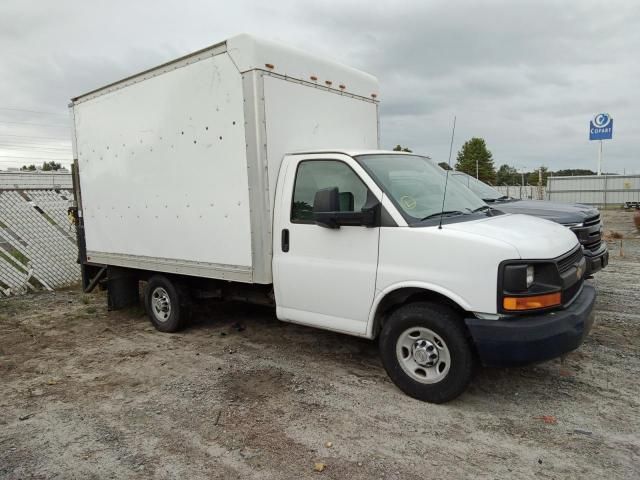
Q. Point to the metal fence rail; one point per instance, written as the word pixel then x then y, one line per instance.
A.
pixel 530 192
pixel 37 241
pixel 595 189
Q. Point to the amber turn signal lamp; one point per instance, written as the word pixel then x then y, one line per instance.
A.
pixel 532 303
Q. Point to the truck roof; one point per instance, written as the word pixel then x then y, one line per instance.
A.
pixel 250 53
pixel 354 152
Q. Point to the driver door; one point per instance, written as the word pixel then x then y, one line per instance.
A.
pixel 324 277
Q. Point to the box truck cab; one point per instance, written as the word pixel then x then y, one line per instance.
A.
pixel 224 174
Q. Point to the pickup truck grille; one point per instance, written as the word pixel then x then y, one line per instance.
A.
pixel 566 263
pixel 592 221
pixel 589 234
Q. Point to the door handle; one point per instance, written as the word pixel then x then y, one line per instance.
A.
pixel 285 240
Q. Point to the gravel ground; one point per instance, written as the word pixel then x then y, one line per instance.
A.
pixel 87 393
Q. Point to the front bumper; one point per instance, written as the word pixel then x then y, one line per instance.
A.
pixel 535 338
pixel 596 260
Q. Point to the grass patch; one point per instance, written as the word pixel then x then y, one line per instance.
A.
pixel 12 262
pixel 46 216
pixel 19 256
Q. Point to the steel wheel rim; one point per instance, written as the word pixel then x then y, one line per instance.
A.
pixel 423 355
pixel 160 304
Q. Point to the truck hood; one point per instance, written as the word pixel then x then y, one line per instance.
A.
pixel 565 213
pixel 533 238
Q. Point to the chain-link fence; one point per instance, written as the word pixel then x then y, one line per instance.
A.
pixel 37 240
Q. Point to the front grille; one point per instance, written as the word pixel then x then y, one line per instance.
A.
pixel 593 246
pixel 592 221
pixel 570 260
pixel 569 293
pixel 589 233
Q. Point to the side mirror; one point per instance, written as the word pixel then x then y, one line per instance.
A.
pixel 326 200
pixel 326 210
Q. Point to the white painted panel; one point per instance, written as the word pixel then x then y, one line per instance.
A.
pixel 301 117
pixel 163 169
pixel 327 277
pixel 250 53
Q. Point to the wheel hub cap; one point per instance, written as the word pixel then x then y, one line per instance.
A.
pixel 425 353
pixel 161 304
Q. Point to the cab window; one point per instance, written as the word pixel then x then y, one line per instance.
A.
pixel 314 175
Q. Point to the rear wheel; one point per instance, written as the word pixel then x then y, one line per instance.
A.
pixel 425 351
pixel 165 304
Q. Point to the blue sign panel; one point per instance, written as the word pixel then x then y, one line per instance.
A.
pixel 601 127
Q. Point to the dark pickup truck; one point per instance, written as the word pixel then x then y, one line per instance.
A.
pixel 583 220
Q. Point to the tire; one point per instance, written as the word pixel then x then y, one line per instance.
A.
pixel 426 352
pixel 166 304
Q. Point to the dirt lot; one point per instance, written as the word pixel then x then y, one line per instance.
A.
pixel 86 393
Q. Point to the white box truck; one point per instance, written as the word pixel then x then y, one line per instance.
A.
pixel 251 171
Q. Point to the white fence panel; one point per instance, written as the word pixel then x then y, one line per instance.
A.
pixel 595 190
pixel 529 192
pixel 37 241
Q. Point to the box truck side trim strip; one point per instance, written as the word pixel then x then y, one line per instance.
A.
pixel 184 267
pixel 154 72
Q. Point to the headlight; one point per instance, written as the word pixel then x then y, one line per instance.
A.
pixel 572 225
pixel 528 286
pixel 517 278
pixel 530 275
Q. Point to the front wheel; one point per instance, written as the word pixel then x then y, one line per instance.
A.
pixel 425 351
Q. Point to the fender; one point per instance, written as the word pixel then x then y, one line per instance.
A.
pixel 380 295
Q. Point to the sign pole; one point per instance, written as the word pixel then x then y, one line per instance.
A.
pixel 600 159
pixel 601 128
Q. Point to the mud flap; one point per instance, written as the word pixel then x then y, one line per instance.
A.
pixel 122 287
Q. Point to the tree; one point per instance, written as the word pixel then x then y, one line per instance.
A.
pixel 508 175
pixel 534 176
pixel 445 166
pixel 474 154
pixel 570 172
pixel 30 168
pixel 400 148
pixel 51 166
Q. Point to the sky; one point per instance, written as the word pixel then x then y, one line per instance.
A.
pixel 527 76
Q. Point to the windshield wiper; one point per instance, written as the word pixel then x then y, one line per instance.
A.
pixel 446 213
pixel 499 199
pixel 479 209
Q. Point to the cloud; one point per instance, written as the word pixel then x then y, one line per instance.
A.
pixel 526 75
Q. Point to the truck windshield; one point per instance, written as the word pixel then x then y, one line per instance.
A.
pixel 416 186
pixel 484 191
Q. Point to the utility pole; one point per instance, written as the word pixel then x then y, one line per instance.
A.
pixel 540 183
pixel 477 176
